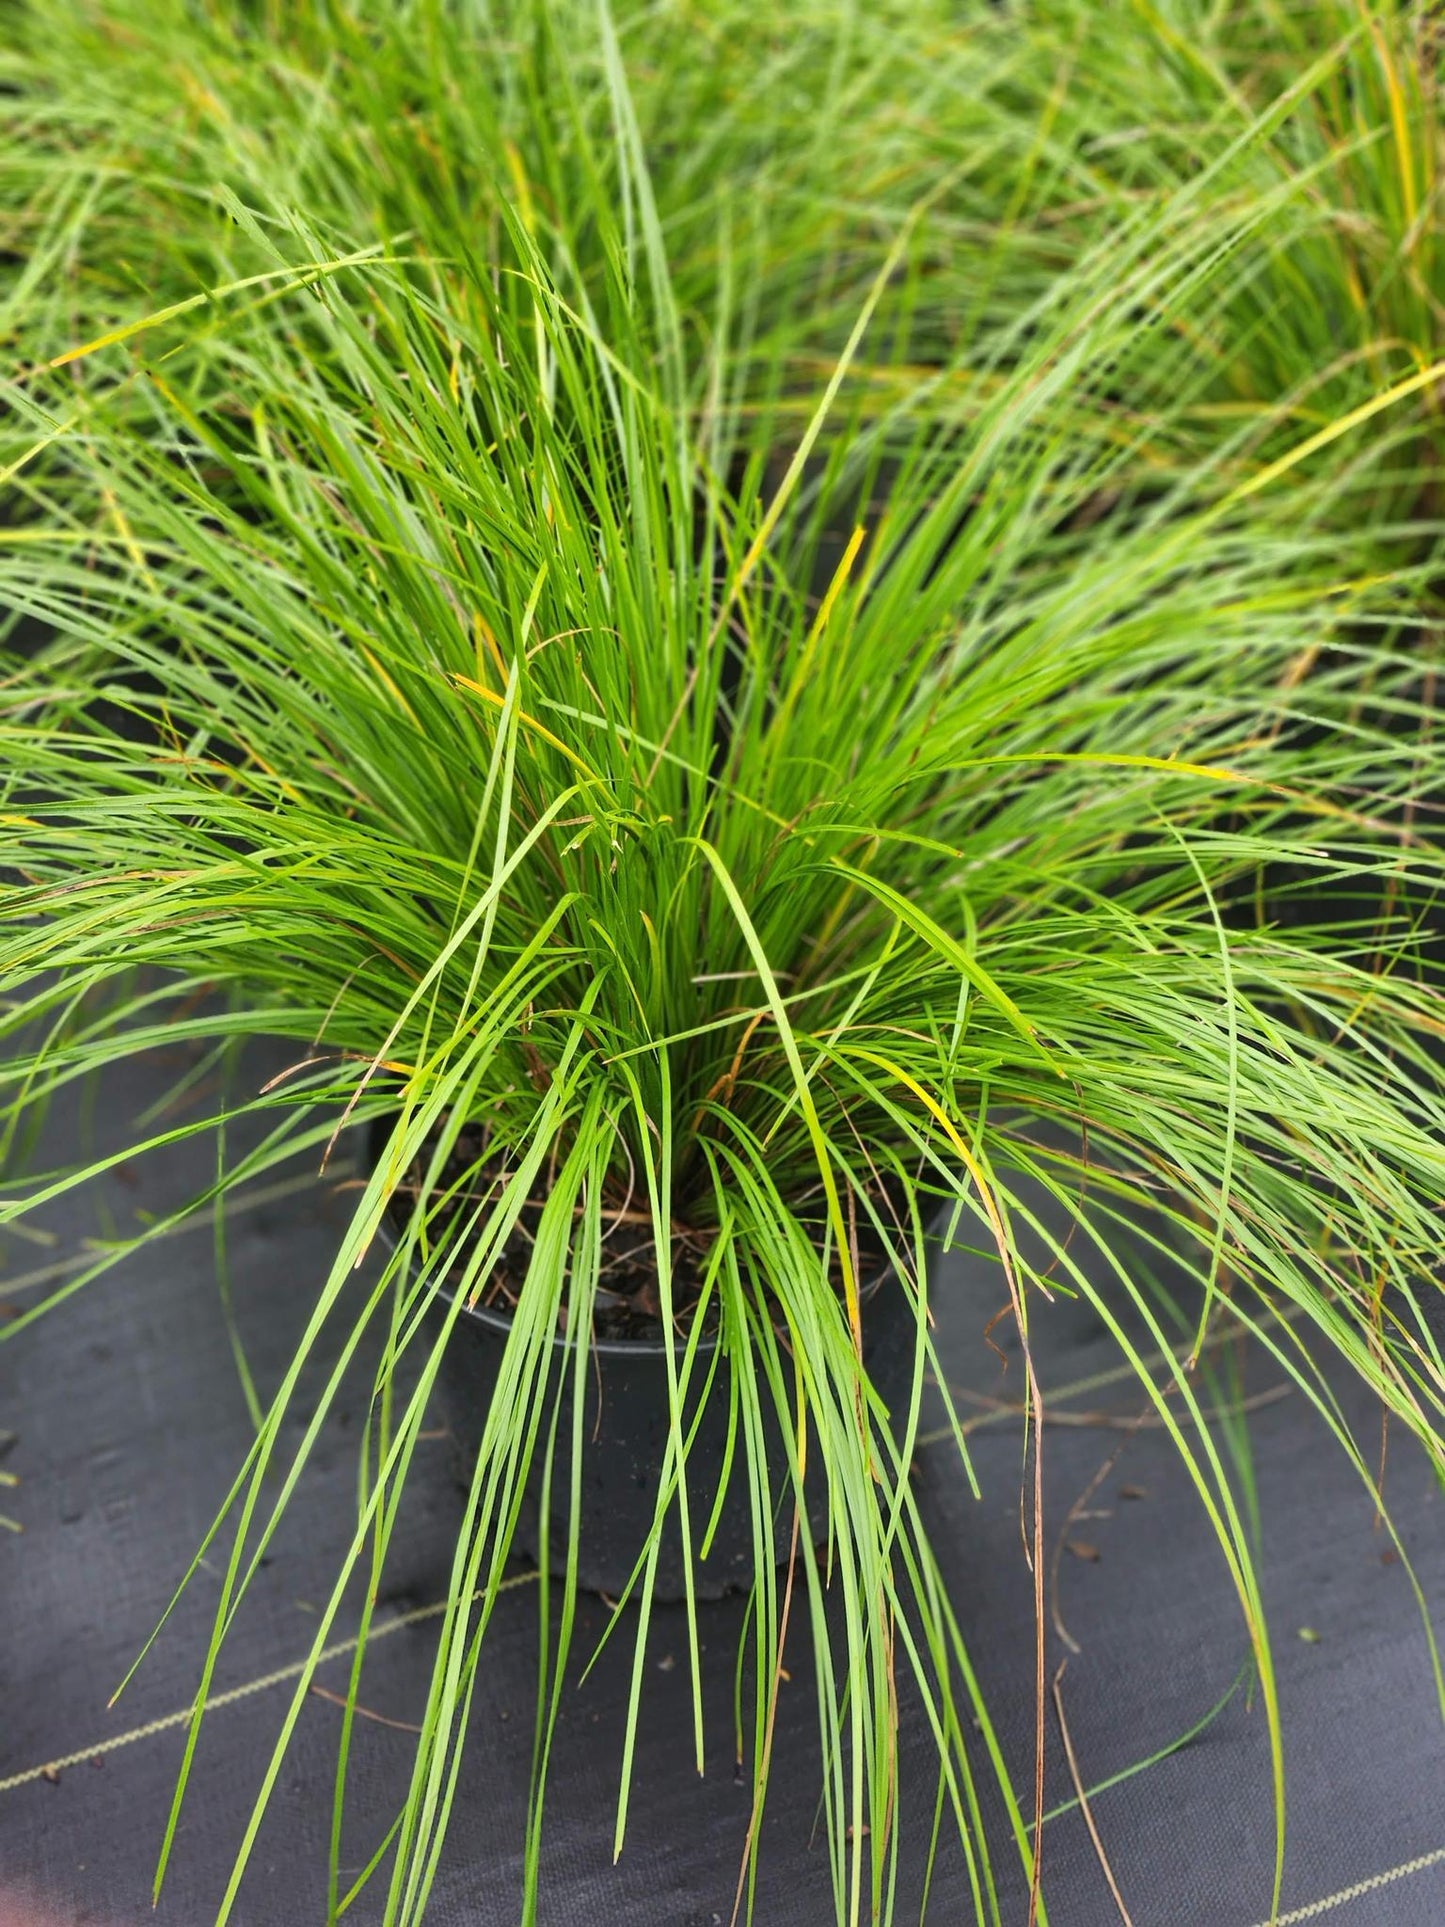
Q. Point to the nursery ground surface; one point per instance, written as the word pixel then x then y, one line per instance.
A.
pixel 125 1421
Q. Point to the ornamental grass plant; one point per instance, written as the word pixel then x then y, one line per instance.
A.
pixel 558 654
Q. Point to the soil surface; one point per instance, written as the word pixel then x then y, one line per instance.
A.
pixel 627 1304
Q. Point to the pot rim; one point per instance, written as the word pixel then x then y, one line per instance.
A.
pixel 498 1321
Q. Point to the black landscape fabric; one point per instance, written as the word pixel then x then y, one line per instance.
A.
pixel 127 1422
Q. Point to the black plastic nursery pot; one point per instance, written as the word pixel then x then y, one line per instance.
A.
pixel 625 1429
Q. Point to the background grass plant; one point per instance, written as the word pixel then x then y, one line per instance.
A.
pixel 1327 114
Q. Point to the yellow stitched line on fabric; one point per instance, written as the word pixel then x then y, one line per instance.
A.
pixel 1358 1891
pixel 236 1205
pixel 420 1613
pixel 234 1693
pixel 278 1678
